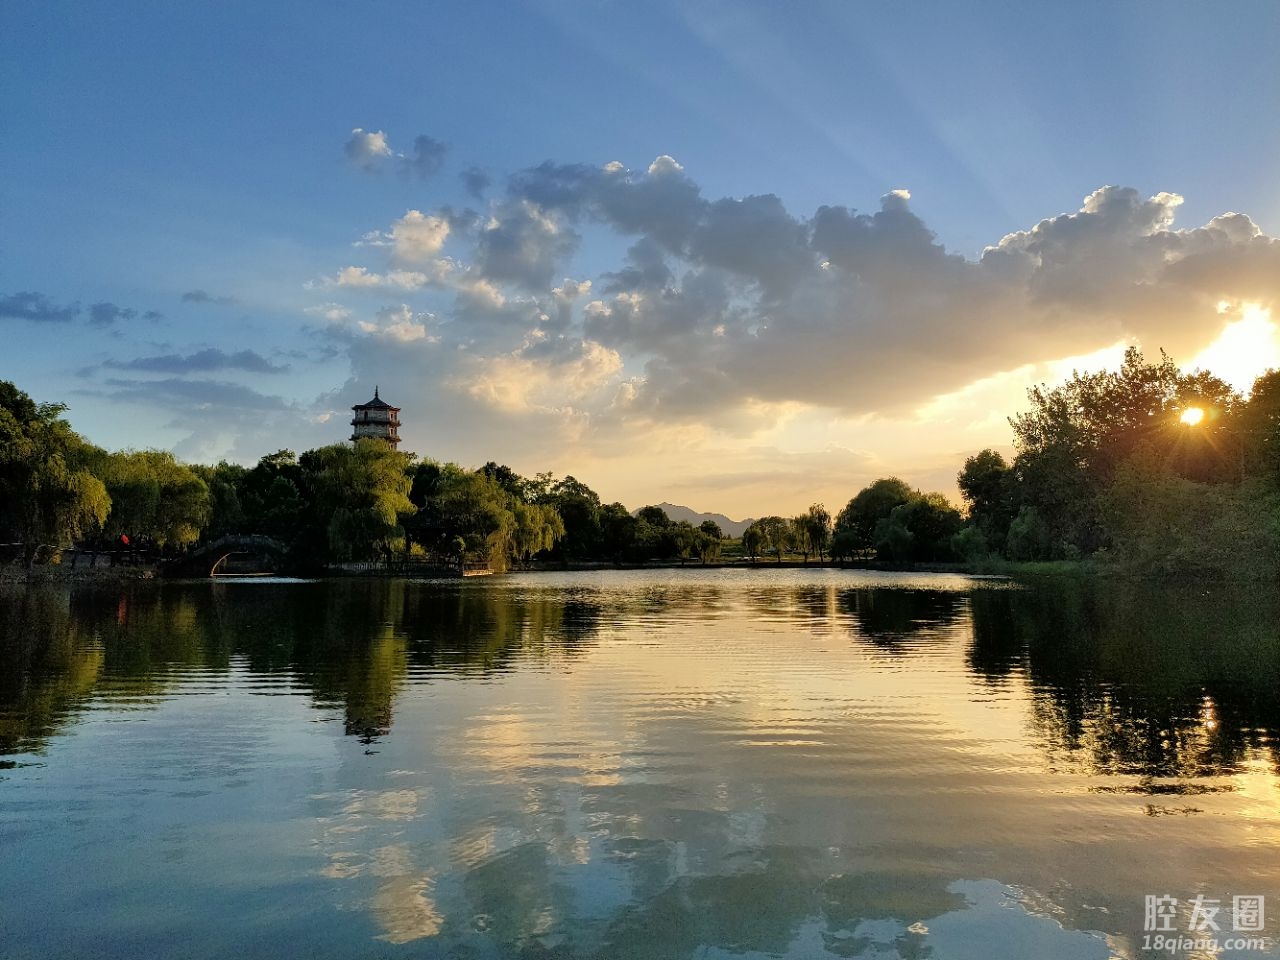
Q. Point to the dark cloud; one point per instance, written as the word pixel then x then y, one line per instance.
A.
pixel 646 269
pixel 476 181
pixel 525 245
pixel 427 157
pixel 105 313
pixel 176 394
pixel 202 361
pixel 201 296
pixel 37 308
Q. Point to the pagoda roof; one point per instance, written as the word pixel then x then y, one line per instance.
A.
pixel 377 403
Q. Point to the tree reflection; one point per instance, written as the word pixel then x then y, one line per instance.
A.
pixel 353 644
pixel 1137 680
pixel 887 618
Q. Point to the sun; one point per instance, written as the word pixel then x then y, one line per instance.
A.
pixel 1191 416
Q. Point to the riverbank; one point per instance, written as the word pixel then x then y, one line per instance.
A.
pixel 992 567
pixel 63 573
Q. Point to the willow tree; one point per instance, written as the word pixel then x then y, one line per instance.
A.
pixel 360 495
pixel 154 497
pixel 47 495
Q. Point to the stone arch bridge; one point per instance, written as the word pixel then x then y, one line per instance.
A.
pixel 204 561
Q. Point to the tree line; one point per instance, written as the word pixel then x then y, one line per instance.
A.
pixel 1109 465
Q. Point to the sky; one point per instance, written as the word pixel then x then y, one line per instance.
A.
pixel 743 256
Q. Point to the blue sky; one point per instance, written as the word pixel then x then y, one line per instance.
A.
pixel 155 150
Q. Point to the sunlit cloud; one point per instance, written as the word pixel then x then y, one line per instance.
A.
pixel 1246 348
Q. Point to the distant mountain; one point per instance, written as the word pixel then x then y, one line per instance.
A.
pixel 731 528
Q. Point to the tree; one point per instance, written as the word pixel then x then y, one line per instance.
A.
pixel 155 498
pixel 987 487
pixel 711 529
pixel 538 528
pixel 708 546
pixel 275 496
pixel 1260 428
pixel 857 521
pixel 753 541
pixel 684 539
pixel 617 532
pixel 1029 537
pixel 775 534
pixel 1075 436
pixel 47 494
pixel 226 512
pixel 579 508
pixel 816 523
pixel 360 494
pixel 931 521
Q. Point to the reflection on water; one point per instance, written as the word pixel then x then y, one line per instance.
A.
pixel 726 763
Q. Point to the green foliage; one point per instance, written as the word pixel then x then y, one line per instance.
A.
pixel 47 494
pixel 811 531
pixel 226 513
pixel 856 523
pixel 155 498
pixel 988 488
pixel 1029 537
pixel 1259 422
pixel 893 540
pixel 1167 526
pixel 579 509
pixel 1073 439
pixel 359 493
pixel 769 535
pixel 970 545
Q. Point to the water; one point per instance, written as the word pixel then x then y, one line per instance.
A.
pixel 632 764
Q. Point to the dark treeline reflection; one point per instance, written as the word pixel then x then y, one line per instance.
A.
pixel 353 644
pixel 888 617
pixel 1138 680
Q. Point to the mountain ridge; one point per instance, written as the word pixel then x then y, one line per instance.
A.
pixel 677 511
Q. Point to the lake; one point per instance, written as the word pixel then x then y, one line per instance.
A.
pixel 640 764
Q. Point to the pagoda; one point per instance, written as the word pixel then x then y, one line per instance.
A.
pixel 376 419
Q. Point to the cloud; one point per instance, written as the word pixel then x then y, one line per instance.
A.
pixel 201 361
pixel 333 312
pixel 525 245
pixel 417 238
pixel 367 149
pixel 476 181
pixel 105 313
pixel 371 151
pixel 197 393
pixel 399 324
pixel 36 307
pixel 201 296
pixel 737 317
pixel 427 157
pixel 363 278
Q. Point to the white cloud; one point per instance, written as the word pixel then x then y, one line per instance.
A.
pixel 417 238
pixel 362 278
pixel 368 149
pixel 664 165
pixel 399 324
